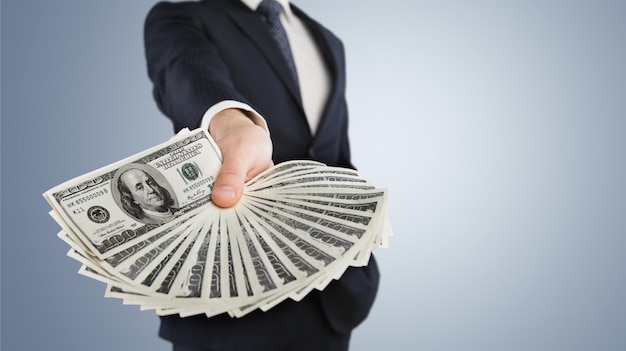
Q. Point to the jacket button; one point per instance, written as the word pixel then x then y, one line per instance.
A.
pixel 311 152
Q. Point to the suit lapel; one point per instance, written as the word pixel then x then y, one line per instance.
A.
pixel 252 25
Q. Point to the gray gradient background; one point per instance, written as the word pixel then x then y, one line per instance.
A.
pixel 497 126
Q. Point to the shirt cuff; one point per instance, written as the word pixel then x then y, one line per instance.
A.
pixel 223 105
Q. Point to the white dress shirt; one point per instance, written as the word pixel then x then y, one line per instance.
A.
pixel 313 76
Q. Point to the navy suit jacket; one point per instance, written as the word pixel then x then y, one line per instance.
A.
pixel 201 53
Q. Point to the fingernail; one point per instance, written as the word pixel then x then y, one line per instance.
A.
pixel 226 192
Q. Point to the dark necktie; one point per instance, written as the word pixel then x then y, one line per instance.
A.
pixel 271 10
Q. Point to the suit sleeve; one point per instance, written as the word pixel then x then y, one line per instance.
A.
pixel 184 65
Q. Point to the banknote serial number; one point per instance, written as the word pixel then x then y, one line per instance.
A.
pixel 83 199
pixel 95 194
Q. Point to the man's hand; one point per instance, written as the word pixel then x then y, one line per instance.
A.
pixel 247 151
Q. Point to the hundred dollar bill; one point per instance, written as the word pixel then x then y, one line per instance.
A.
pixel 319 179
pixel 306 173
pixel 313 252
pixel 111 208
pixel 147 228
pixel 281 170
pixel 263 277
pixel 281 268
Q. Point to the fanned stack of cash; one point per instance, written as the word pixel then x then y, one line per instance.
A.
pixel 146 227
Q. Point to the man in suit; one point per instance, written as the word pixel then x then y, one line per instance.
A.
pixel 215 63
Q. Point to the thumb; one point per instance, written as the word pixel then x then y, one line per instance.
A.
pixel 228 184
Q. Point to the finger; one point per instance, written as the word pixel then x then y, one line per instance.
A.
pixel 228 185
